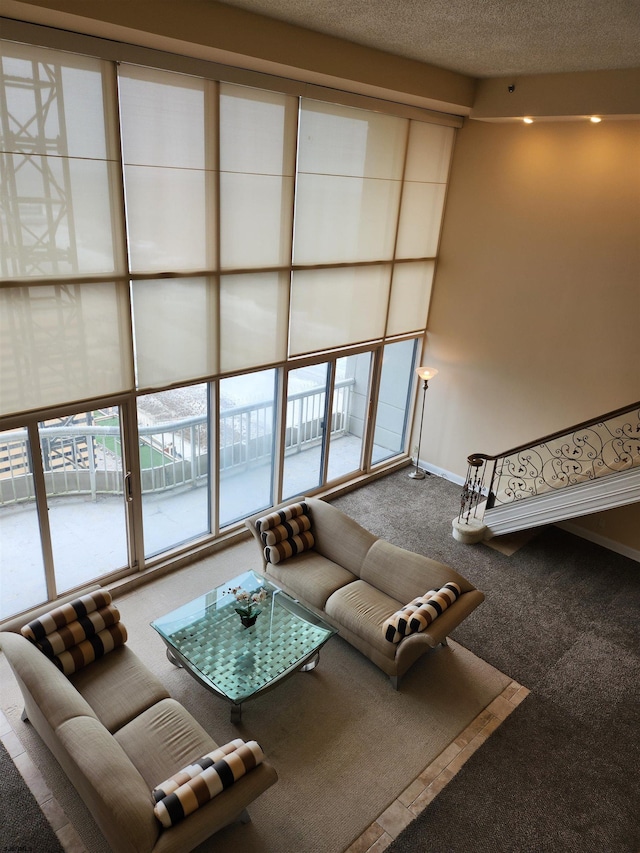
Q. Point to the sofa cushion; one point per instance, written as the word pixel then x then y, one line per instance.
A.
pixel 405 575
pixel 204 786
pixel 363 610
pixel 310 577
pixel 162 740
pixel 118 687
pixel 420 613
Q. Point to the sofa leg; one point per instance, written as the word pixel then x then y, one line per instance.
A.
pixel 395 681
pixel 23 716
pixel 444 642
pixel 245 817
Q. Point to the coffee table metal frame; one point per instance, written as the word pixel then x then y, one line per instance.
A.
pixel 207 639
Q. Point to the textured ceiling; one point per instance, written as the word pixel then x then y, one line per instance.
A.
pixel 482 38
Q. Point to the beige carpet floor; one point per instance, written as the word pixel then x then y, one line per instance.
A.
pixel 344 743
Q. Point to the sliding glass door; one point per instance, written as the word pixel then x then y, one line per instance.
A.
pixel 84 484
pixel 173 446
pixel 305 429
pixel 22 575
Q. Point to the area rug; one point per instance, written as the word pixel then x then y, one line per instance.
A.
pixel 344 743
pixel 19 810
pixel 562 773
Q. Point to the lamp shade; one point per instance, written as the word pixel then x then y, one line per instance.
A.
pixel 426 372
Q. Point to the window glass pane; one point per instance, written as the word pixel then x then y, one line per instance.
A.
pixel 253 320
pixel 420 220
pixel 305 425
pixel 348 414
pixel 82 461
pixel 173 429
pixel 60 343
pixel 247 430
pixel 175 327
pixel 396 378
pixel 22 579
pixel 410 297
pixel 332 308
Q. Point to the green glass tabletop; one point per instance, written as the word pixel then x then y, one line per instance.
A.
pixel 207 638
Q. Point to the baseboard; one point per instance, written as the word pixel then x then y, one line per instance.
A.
pixel 598 539
pixel 441 472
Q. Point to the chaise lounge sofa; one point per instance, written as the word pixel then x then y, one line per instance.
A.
pixel 118 734
pixel 374 593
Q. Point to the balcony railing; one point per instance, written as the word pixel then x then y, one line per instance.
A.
pixel 87 459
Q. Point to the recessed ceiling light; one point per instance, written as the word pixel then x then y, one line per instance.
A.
pixel 527 120
pixel 595 119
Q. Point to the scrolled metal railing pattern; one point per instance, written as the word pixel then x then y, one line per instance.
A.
pixel 585 452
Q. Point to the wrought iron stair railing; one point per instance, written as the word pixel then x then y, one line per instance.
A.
pixel 585 453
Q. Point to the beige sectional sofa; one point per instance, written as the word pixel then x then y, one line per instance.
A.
pixel 357 581
pixel 117 734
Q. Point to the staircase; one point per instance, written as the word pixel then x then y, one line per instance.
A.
pixel 589 467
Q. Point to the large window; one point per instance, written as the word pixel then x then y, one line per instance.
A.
pixel 247 272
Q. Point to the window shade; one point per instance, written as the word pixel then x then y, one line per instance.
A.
pixel 336 307
pixel 176 330
pixel 253 320
pixel 428 155
pixel 257 167
pixel 410 297
pixel 62 342
pixel 350 170
pixel 60 177
pixel 168 143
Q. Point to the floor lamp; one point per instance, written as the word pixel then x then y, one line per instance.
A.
pixel 425 373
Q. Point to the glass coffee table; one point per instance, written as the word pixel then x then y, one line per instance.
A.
pixel 207 638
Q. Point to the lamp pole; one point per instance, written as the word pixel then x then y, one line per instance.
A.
pixel 425 373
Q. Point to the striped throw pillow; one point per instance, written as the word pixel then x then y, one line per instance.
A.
pixel 281 515
pixel 66 613
pixel 75 632
pixel 289 548
pixel 77 657
pixel 286 532
pixel 79 632
pixel 207 784
pixel 182 776
pixel 420 613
